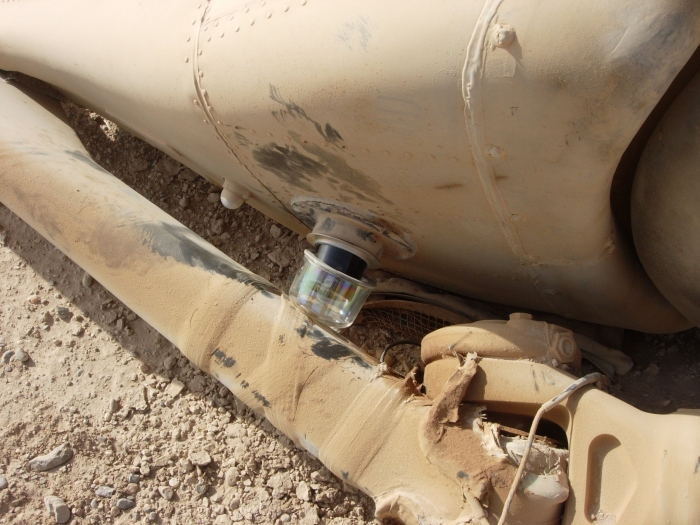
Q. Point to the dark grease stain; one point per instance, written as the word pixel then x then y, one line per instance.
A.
pixel 462 475
pixel 222 359
pixel 534 380
pixel 280 339
pixel 449 186
pixel 245 384
pixel 329 349
pixel 344 474
pixel 176 241
pixel 289 165
pixel 261 398
pixel 302 170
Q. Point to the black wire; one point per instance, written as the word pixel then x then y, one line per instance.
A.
pixel 396 343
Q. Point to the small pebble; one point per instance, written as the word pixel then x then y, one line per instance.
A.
pixel 125 504
pixel 131 489
pixel 275 231
pixel 134 478
pixel 201 458
pixel 63 312
pixel 56 457
pixel 104 492
pixel 231 477
pixel 114 511
pixel 34 299
pixel 7 356
pixel 174 482
pixel 169 363
pixel 303 491
pixel 166 492
pixel 3 482
pixel 21 356
pixel 214 197
pixel 87 280
pixel 58 508
pixel 114 405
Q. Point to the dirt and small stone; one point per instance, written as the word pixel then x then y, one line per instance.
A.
pixel 104 421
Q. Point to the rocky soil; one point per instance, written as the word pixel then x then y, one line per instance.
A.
pixel 103 421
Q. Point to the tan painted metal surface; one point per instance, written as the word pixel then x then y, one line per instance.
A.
pixel 487 133
pixel 665 204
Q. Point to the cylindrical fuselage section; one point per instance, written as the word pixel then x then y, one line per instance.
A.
pixel 493 157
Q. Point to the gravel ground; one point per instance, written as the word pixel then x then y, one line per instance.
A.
pixel 146 437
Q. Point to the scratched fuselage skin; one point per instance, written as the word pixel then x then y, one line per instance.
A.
pixel 493 158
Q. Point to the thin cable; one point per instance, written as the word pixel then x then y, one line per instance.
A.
pixel 396 343
pixel 573 387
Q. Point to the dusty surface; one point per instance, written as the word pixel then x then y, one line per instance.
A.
pixel 97 377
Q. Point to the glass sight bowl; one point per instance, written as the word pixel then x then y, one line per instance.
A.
pixel 327 295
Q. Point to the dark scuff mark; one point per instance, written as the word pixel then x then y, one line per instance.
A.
pixel 245 384
pixel 344 474
pixel 329 349
pixel 534 380
pixel 176 241
pixel 280 339
pixel 261 398
pixel 462 475
pixel 301 330
pixel 327 225
pixel 242 140
pixel 296 111
pixel 332 134
pixel 77 155
pixel 222 359
pixel 452 186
